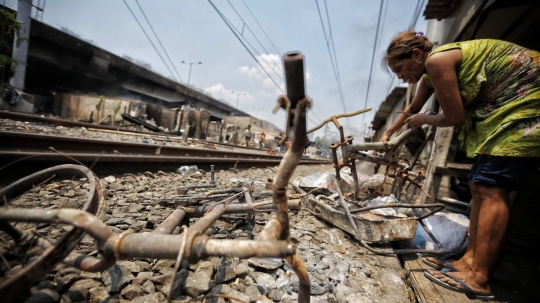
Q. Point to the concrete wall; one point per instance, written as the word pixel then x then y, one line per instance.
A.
pixel 95 108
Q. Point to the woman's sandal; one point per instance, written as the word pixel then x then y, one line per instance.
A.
pixel 466 289
pixel 439 267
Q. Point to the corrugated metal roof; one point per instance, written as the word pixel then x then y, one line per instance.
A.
pixel 439 9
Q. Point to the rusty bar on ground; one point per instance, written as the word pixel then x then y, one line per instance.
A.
pixel 238 208
pixel 168 225
pixel 159 246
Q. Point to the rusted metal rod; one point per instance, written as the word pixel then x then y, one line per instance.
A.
pixel 379 146
pixel 78 218
pixel 169 224
pixel 295 103
pixel 239 208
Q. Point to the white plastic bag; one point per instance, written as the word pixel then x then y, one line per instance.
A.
pixel 388 211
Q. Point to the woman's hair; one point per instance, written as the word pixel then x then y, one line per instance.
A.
pixel 402 46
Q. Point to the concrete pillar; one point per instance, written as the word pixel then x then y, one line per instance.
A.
pixel 20 53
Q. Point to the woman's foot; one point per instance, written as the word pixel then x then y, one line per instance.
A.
pixel 454 265
pixel 461 281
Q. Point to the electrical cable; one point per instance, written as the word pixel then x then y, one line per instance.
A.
pixel 332 61
pixel 140 25
pixel 159 40
pixel 275 48
pixel 373 57
pixel 416 14
pixel 333 48
pixel 237 37
pixel 255 36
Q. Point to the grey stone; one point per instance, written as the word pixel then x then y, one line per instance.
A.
pixel 45 295
pixel 144 266
pixel 265 299
pixel 197 284
pixel 264 278
pixel 98 294
pixel 118 214
pixel 65 299
pixel 253 293
pixel 131 266
pixel 135 208
pixel 206 267
pixel 76 295
pixel 146 299
pixel 177 287
pixel 142 277
pixel 132 291
pixel 220 289
pixel 224 274
pixel 116 277
pixel 163 264
pixel 239 295
pixel 282 281
pixel 366 271
pixel 149 287
pixel 161 279
pixel 90 275
pixel 262 289
pixel 241 270
pixel 84 284
pixel 327 298
pixel 275 295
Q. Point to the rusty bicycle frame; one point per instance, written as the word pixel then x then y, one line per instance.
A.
pixel 193 245
pixel 357 221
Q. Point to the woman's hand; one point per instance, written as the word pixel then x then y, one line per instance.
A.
pixel 417 120
pixel 384 139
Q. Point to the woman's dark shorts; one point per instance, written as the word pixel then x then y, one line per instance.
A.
pixel 508 173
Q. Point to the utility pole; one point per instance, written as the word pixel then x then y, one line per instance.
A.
pixel 20 53
pixel 325 131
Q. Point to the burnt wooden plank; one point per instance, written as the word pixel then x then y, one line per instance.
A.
pixel 454 170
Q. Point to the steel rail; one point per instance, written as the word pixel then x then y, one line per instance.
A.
pixel 119 164
pixel 114 129
pixel 14 141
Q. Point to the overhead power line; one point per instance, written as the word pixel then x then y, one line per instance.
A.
pixel 275 48
pixel 234 30
pixel 373 57
pixel 333 58
pixel 257 39
pixel 159 40
pixel 148 37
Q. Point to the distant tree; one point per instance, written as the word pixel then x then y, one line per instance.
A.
pixel 140 63
pixel 9 27
pixel 66 30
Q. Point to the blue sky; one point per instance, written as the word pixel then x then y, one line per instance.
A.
pixel 192 31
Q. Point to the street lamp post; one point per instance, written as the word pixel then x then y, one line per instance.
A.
pixel 258 111
pixel 238 97
pixel 190 65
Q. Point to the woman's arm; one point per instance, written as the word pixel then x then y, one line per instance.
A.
pixel 422 95
pixel 441 68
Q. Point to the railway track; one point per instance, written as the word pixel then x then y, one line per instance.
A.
pixel 28 152
pixel 108 128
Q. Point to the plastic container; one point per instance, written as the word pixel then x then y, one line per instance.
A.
pixel 187 169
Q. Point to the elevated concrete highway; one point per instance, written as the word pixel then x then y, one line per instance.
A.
pixel 59 62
